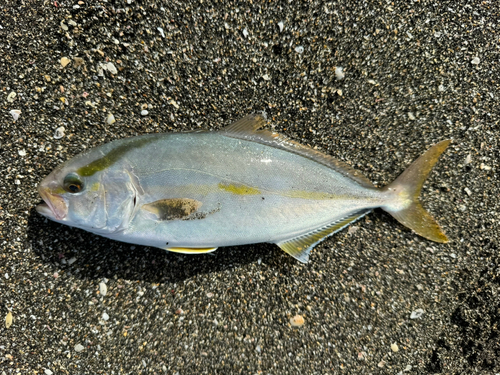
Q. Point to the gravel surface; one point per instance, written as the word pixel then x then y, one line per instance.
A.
pixel 373 83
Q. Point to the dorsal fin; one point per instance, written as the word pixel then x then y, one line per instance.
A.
pixel 248 129
pixel 300 247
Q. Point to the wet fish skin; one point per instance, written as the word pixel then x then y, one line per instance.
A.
pixel 194 192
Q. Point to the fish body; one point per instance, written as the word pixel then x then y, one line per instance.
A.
pixel 194 192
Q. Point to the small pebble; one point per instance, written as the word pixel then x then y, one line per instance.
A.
pixel 105 316
pixel 485 167
pixel 467 190
pixel 111 68
pixel 411 116
pixel 299 49
pixel 416 314
pixel 103 289
pixel 79 348
pixel 468 159
pixel 11 97
pixel 144 112
pixel 15 114
pixel 352 229
pixel 78 61
pixel 441 88
pixel 111 119
pixel 475 61
pixel 161 32
pixel 8 320
pixel 339 73
pixel 71 261
pixel 245 33
pixel 281 25
pixel 266 77
pixel 297 321
pixel 59 133
pixel 174 103
pixel 258 349
pixel 395 348
pixel 210 295
pixel 65 61
pixel 64 26
pixel 48 372
pixel 22 152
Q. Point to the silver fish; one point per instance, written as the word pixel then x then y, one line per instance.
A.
pixel 194 192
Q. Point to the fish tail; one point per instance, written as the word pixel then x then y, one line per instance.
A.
pixel 404 204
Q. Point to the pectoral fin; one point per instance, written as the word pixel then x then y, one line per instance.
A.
pixel 300 247
pixel 172 209
pixel 188 250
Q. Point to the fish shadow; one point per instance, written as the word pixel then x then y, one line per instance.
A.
pixel 88 256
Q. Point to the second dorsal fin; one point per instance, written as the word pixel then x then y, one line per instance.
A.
pixel 250 128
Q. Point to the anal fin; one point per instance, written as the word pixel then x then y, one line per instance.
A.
pixel 191 250
pixel 300 247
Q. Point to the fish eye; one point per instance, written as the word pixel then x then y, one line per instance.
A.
pixel 72 183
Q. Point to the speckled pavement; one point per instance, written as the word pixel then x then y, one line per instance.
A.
pixel 375 298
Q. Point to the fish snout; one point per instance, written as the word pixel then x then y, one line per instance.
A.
pixel 55 205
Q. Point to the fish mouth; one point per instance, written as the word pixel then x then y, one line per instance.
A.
pixel 55 206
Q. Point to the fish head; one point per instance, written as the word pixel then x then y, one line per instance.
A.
pixel 87 193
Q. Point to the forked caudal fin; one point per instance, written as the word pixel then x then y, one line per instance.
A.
pixel 405 206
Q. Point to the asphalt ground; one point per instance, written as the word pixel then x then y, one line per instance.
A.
pixel 375 299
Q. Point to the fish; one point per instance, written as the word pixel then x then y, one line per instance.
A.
pixel 193 192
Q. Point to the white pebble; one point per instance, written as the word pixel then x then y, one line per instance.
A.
pixel 105 316
pixel 111 68
pixel 144 112
pixel 441 88
pixel 103 289
pixel 281 25
pixel 467 190
pixel 416 314
pixel 161 31
pixel 11 97
pixel 475 61
pixel 111 119
pixel 245 33
pixel 394 348
pixel 266 77
pixel 79 348
pixel 71 261
pixel 411 116
pixel 59 133
pixel 22 152
pixel 48 372
pixel 485 167
pixel 15 114
pixel 299 49
pixel 339 73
